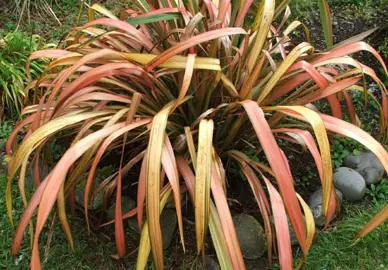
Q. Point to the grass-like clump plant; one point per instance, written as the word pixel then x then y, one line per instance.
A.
pixel 15 48
pixel 175 90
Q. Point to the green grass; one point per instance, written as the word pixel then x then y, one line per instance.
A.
pixel 15 48
pixel 337 249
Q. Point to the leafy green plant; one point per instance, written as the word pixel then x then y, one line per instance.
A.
pixel 378 192
pixel 385 77
pixel 364 10
pixel 341 148
pixel 383 48
pixel 15 48
pixel 182 91
pixel 6 129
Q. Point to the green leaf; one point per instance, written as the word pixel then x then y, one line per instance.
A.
pixel 155 18
pixel 324 12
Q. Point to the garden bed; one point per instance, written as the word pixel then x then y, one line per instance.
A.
pixel 98 251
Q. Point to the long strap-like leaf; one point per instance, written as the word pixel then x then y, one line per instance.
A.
pixel 202 181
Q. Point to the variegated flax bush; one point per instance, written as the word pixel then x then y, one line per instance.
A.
pixel 180 89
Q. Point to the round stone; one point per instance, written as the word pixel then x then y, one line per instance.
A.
pixel 315 203
pixel 44 170
pixel 95 202
pixel 168 223
pixel 133 224
pixel 316 198
pixel 127 204
pixel 350 183
pixel 366 164
pixel 293 238
pixel 211 263
pixel 251 236
pixel 352 161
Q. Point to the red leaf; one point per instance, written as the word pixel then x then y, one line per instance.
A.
pixel 281 226
pixel 283 177
pixel 119 229
pixel 190 42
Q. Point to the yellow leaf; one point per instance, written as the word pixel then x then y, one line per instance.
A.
pixel 153 165
pixel 63 217
pixel 324 147
pixel 103 11
pixel 31 143
pixel 310 227
pixel 290 59
pixel 263 22
pixel 202 180
pixel 145 244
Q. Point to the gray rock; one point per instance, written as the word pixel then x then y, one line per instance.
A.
pixel 319 218
pixel 127 204
pixel 132 223
pixel 315 203
pixel 44 170
pixel 168 223
pixel 366 164
pixel 316 198
pixel 294 240
pixel 29 182
pixel 251 236
pixel 95 202
pixel 211 263
pixel 350 183
pixel 340 196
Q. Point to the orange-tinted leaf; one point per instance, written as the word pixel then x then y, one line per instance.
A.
pixel 281 227
pixel 349 49
pixel 141 191
pixel 262 201
pixel 311 145
pixel 226 221
pixel 27 215
pixel 376 221
pixel 215 227
pixel 126 27
pixel 153 166
pixel 119 229
pixel 170 167
pixel 58 176
pixel 279 168
pixel 184 45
